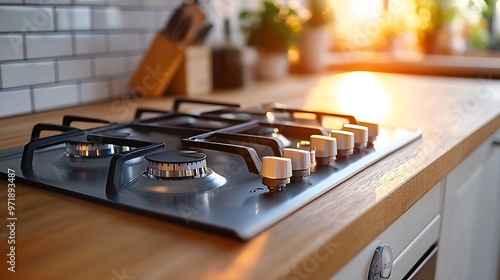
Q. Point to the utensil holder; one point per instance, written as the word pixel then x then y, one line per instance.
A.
pixel 194 76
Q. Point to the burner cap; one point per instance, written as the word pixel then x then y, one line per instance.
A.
pixel 177 165
pixel 84 148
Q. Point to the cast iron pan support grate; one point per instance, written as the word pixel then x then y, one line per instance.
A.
pixel 249 154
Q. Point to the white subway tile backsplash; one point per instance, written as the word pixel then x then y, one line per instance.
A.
pixel 162 19
pixel 125 2
pixel 25 19
pixel 48 45
pixel 133 62
pixel 108 18
pixel 47 98
pixel 48 2
pixel 162 3
pixel 26 73
pixel 73 18
pixel 74 69
pixel 11 1
pixel 120 88
pixel 139 19
pixel 146 40
pixel 90 2
pixel 109 66
pixel 90 43
pixel 14 102
pixel 94 92
pixel 11 46
pixel 122 42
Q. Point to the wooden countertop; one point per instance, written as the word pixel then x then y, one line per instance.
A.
pixel 60 237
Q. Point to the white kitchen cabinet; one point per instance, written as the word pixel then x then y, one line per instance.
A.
pixel 469 242
pixel 409 237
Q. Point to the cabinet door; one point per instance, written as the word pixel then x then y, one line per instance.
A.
pixel 409 237
pixel 469 241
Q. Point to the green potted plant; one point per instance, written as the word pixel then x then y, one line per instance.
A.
pixel 316 37
pixel 321 13
pixel 272 31
pixel 455 27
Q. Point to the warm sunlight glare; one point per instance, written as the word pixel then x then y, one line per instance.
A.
pixel 362 95
pixel 359 23
pixel 363 10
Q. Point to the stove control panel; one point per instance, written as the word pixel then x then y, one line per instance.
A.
pixel 227 166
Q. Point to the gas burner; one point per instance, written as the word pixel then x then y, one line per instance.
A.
pixel 177 172
pixel 177 165
pixel 88 149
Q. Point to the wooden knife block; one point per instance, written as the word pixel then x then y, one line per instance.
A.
pixel 164 58
pixel 194 76
pixel 157 68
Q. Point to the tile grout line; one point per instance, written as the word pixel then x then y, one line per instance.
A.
pixel 25 47
pixel 54 19
pixel 79 92
pixel 73 43
pixel 92 66
pixel 107 42
pixel 32 99
pixel 56 70
pixel 110 89
pixel 92 18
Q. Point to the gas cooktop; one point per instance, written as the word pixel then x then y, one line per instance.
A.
pixel 231 171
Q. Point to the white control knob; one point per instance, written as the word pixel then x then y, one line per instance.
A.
pixel 325 148
pixel 345 142
pixel 360 135
pixel 301 162
pixel 372 131
pixel 276 172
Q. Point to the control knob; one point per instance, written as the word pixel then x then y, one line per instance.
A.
pixel 345 142
pixel 276 172
pixel 301 162
pixel 372 131
pixel 325 148
pixel 360 135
